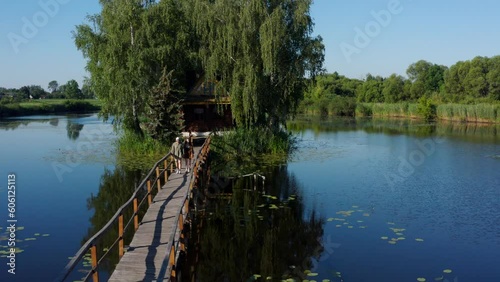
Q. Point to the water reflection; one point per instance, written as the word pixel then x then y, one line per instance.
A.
pixel 12 124
pixel 254 233
pixel 115 189
pixel 73 129
pixel 470 132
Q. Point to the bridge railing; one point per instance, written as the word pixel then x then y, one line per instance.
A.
pixel 177 245
pixel 157 175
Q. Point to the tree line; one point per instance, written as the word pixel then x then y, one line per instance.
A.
pixel 468 82
pixel 70 90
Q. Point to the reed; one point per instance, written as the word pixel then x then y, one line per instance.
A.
pixel 468 113
pixel 390 110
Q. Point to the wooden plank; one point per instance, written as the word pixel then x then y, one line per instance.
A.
pixel 150 244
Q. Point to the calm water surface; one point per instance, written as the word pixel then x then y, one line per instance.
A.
pixel 365 200
pixel 438 183
pixel 323 215
pixel 59 162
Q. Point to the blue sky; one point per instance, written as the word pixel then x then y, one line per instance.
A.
pixel 441 32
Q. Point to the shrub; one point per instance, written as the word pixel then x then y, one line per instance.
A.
pixel 426 109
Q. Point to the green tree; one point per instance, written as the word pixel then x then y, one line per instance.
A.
pixel 393 90
pixel 165 118
pixel 260 52
pixel 126 47
pixel 475 82
pixel 493 78
pixel 53 85
pixel 427 78
pixel 72 91
pixel 371 90
pixel 36 91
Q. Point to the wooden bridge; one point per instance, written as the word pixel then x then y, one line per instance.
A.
pixel 159 238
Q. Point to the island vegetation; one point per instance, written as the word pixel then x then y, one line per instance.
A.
pixel 260 53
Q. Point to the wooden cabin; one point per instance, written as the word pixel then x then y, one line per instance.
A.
pixel 204 111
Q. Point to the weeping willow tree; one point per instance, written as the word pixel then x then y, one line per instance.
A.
pixel 126 46
pixel 260 51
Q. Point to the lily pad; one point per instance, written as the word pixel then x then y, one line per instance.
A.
pixel 419 240
pixel 447 271
pixel 421 279
pixel 312 274
pixel 384 237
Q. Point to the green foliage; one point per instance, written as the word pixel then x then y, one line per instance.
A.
pixel 259 52
pixel 390 110
pixel 126 47
pixel 248 149
pixel 371 91
pixel 165 117
pixel 51 106
pixel 393 90
pixel 53 86
pixel 426 109
pixel 478 78
pixel 342 106
pixel 364 110
pixel 426 77
pixel 470 113
pixel 139 152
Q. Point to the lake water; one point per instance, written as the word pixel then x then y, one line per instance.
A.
pixel 59 163
pixel 365 200
pixel 432 190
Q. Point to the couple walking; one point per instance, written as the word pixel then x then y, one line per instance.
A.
pixel 182 150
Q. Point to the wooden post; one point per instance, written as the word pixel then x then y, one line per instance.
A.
pixel 181 231
pixel 93 254
pixel 158 182
pixel 120 236
pixel 171 164
pixel 186 206
pixel 136 215
pixel 171 261
pixel 150 197
pixel 165 164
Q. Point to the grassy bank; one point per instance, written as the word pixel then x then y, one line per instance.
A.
pixel 49 106
pixel 454 112
pixel 136 152
pixel 425 109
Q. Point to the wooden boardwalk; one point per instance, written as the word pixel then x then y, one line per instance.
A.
pixel 149 249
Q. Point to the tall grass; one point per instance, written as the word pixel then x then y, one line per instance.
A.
pixel 135 152
pixel 245 150
pixel 413 111
pixel 364 110
pixel 334 106
pixel 468 113
pixel 390 110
